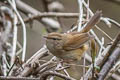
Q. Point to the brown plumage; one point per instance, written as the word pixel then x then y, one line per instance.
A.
pixel 71 46
pixel 67 46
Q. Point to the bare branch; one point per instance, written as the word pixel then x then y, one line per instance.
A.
pixel 45 75
pixel 17 78
pixel 109 59
pixel 52 14
pixel 115 43
pixel 29 10
pixel 28 66
pixel 109 64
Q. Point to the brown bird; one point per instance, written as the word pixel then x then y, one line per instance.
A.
pixel 71 46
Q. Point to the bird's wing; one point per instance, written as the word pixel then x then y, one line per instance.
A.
pixel 76 41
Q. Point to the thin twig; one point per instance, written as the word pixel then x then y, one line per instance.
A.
pixel 51 14
pixel 110 58
pixel 17 78
pixel 43 66
pixel 116 76
pixel 48 22
pixel 114 22
pixel 111 49
pixel 80 2
pixel 14 40
pixel 45 75
pixel 24 30
pixel 28 69
pixel 104 33
pixel 113 70
pixel 109 64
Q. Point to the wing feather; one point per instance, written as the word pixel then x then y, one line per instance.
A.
pixel 76 41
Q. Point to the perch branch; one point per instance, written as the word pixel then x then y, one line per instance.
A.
pixel 28 69
pixel 109 64
pixel 108 61
pixel 45 75
pixel 110 50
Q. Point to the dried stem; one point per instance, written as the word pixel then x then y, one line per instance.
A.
pixel 109 59
pixel 17 78
pixel 45 75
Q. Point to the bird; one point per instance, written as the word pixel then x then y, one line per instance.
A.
pixel 71 46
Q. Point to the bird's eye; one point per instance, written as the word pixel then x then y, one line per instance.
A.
pixel 54 38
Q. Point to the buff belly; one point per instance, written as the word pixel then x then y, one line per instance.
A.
pixel 74 54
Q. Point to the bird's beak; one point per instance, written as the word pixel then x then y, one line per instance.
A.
pixel 45 36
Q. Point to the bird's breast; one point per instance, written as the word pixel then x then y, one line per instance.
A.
pixel 75 54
